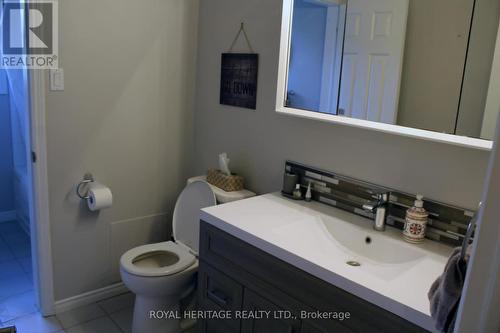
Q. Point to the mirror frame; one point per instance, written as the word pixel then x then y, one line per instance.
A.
pixel 281 108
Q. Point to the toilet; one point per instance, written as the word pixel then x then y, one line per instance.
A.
pixel 162 274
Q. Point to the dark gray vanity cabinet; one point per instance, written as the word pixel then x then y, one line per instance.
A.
pixel 245 281
pixel 256 303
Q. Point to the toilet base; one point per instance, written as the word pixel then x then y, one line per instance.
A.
pixel 163 320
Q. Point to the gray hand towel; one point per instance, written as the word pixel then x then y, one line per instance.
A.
pixel 445 292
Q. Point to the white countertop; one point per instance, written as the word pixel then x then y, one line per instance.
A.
pixel 319 239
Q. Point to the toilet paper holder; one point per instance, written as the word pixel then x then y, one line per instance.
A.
pixel 87 179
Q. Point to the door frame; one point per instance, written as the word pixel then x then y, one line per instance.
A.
pixel 332 59
pixel 39 208
pixel 478 309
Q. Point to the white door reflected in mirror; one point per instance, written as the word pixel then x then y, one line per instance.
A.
pixel 373 58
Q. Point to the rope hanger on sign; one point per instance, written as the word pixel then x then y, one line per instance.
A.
pixel 242 30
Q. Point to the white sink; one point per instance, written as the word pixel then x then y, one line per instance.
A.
pixel 326 242
pixel 344 239
pixel 372 252
pixel 367 245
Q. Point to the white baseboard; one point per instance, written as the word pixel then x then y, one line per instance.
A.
pixel 8 216
pixel 90 297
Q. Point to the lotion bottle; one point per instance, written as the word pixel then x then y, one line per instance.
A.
pixel 416 222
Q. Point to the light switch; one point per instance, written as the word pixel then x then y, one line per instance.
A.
pixel 57 79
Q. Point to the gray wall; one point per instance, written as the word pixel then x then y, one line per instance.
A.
pixel 435 50
pixel 126 115
pixel 478 69
pixel 493 98
pixel 258 142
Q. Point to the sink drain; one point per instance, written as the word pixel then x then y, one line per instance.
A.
pixel 353 263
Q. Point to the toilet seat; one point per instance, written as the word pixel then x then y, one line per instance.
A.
pixel 160 259
pixel 168 258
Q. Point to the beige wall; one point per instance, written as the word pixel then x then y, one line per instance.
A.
pixel 435 51
pixel 478 69
pixel 258 142
pixel 125 115
pixel 493 99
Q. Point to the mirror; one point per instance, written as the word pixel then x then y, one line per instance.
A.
pixel 423 64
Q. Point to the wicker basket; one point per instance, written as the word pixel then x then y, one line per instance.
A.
pixel 227 183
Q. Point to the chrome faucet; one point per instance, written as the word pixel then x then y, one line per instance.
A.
pixel 379 208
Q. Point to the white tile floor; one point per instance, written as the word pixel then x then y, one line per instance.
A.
pixel 17 300
pixel 112 315
pixel 16 277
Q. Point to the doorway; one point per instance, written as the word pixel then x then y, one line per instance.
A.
pixel 25 250
pixel 17 289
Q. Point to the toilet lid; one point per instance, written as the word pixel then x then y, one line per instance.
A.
pixel 186 220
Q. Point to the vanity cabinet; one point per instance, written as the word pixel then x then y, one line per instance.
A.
pixel 248 283
pixel 258 304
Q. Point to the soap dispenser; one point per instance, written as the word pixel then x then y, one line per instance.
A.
pixel 416 222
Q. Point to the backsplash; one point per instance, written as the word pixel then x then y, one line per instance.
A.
pixel 447 224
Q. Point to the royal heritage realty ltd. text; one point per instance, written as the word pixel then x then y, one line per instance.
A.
pixel 248 314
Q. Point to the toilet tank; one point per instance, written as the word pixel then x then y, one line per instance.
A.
pixel 223 196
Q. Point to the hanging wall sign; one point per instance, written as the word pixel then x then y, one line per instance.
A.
pixel 239 80
pixel 239 71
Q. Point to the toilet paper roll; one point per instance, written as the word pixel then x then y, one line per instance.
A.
pixel 100 197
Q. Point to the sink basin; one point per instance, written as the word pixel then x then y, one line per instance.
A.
pixel 350 241
pixel 363 244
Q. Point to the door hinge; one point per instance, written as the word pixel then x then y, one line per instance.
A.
pixel 33 157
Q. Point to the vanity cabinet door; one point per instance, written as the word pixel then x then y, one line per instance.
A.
pixel 219 293
pixel 269 320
